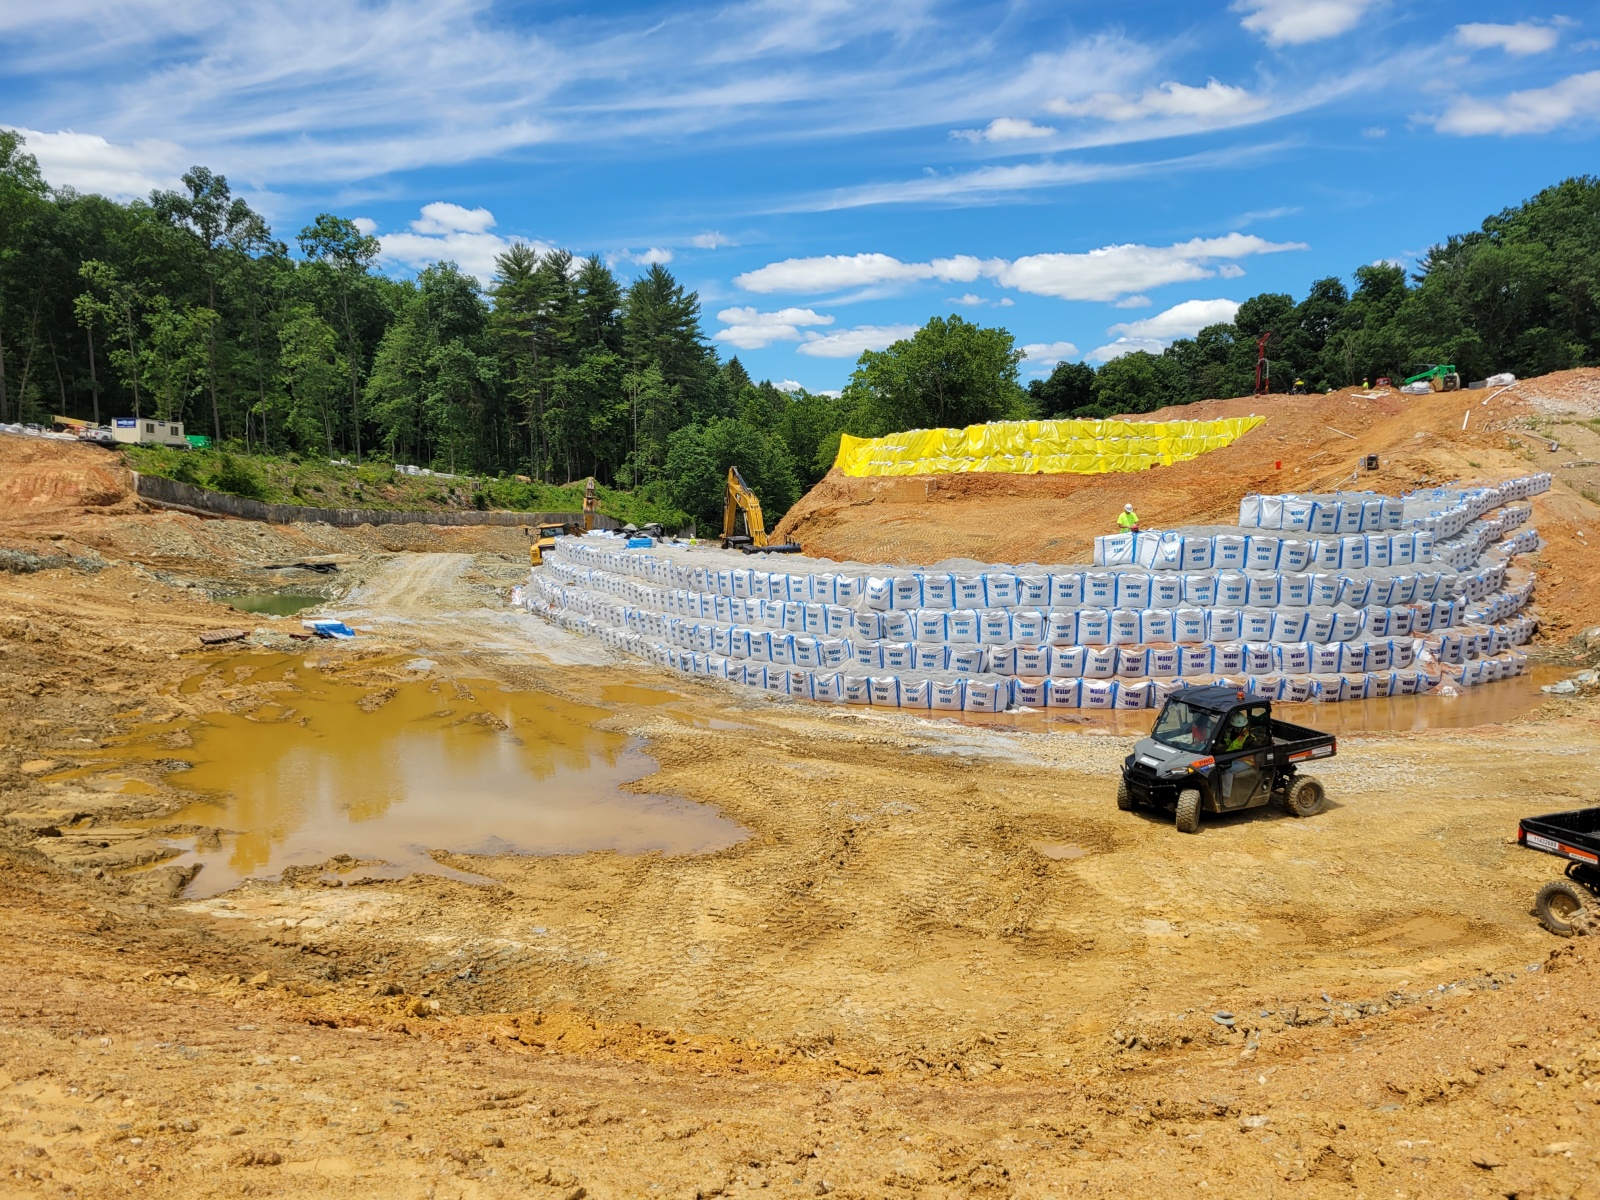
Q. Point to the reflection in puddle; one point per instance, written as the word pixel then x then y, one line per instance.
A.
pixel 333 768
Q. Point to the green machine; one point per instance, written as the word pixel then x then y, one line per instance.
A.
pixel 1441 377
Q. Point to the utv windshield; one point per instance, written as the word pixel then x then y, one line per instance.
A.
pixel 1184 727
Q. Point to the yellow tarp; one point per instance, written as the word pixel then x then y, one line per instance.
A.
pixel 1039 447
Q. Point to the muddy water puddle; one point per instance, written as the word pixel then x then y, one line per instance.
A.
pixel 272 604
pixel 326 768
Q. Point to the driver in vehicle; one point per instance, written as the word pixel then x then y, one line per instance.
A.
pixel 1237 736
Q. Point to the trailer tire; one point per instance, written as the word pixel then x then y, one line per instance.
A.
pixel 1304 796
pixel 1556 904
pixel 1187 815
pixel 1124 799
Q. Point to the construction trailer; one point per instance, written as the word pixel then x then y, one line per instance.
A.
pixel 147 431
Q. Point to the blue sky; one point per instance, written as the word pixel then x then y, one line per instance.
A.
pixel 830 174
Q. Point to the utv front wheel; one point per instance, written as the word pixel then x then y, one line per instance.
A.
pixel 1187 816
pixel 1304 796
pixel 1124 800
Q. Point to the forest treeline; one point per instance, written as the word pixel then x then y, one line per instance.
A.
pixel 188 306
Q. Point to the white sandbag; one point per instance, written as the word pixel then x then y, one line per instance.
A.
pixel 1132 695
pixel 1200 591
pixel 1228 551
pixel 1261 552
pixel 1067 661
pixel 1157 625
pixel 1250 511
pixel 1233 590
pixel 1030 693
pixel 1100 589
pixel 969 660
pixel 929 656
pixel 1132 662
pixel 1132 589
pixel 961 626
pixel 1166 591
pixel 1189 624
pixel 1099 693
pixel 946 695
pixel 1099 662
pixel 1093 627
pixel 1195 661
pixel 1161 662
pixel 1124 627
pixel 1066 589
pixel 1033 591
pixel 994 626
pixel 1066 693
pixel 1292 658
pixel 1290 625
pixel 1222 625
pixel 969 591
pixel 1031 660
pixel 1255 625
pixel 938 590
pixel 1199 553
pixel 1228 658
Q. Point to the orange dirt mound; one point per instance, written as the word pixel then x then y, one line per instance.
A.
pixel 44 479
pixel 1308 443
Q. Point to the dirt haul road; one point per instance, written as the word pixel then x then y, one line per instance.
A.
pixel 940 964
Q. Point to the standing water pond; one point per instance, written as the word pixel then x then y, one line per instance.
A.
pixel 386 775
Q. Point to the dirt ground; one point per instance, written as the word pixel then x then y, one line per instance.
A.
pixel 941 964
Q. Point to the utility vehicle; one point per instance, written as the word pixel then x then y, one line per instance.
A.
pixel 1215 749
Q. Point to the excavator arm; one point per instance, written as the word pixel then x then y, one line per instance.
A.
pixel 741 498
pixel 588 504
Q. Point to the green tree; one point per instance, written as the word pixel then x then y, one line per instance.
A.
pixel 1134 383
pixel 347 254
pixel 949 373
pixel 1068 390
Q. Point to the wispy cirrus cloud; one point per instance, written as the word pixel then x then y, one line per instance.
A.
pixel 1521 39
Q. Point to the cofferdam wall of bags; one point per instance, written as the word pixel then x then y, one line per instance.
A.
pixel 1345 597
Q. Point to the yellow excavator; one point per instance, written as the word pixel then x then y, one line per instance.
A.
pixel 739 499
pixel 549 533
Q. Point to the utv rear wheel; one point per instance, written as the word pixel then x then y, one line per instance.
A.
pixel 1187 816
pixel 1304 796
pixel 1124 800
pixel 1557 903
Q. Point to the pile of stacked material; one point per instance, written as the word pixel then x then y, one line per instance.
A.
pixel 1360 596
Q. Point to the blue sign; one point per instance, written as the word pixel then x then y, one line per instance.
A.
pixel 126 422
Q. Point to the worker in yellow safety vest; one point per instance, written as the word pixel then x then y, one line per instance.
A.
pixel 1128 520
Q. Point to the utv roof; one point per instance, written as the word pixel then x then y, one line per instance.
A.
pixel 1212 698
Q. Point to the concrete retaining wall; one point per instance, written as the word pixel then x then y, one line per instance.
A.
pixel 169 493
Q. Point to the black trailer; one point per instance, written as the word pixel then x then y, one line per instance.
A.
pixel 1218 749
pixel 1574 837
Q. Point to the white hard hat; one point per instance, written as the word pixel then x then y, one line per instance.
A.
pixel 1127 508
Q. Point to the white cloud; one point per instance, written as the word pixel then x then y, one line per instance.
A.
pixel 1004 129
pixel 1125 345
pixel 968 300
pixel 749 329
pixel 1231 271
pixel 711 241
pixel 1214 104
pixel 1181 320
pixel 1539 110
pixel 1048 354
pixel 849 343
pixel 1113 271
pixel 1137 301
pixel 830 272
pixel 831 393
pixel 1005 302
pixel 442 217
pixel 450 232
pixel 1521 39
pixel 1296 22
pixel 789 385
pixel 1103 274
pixel 90 163
pixel 365 224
